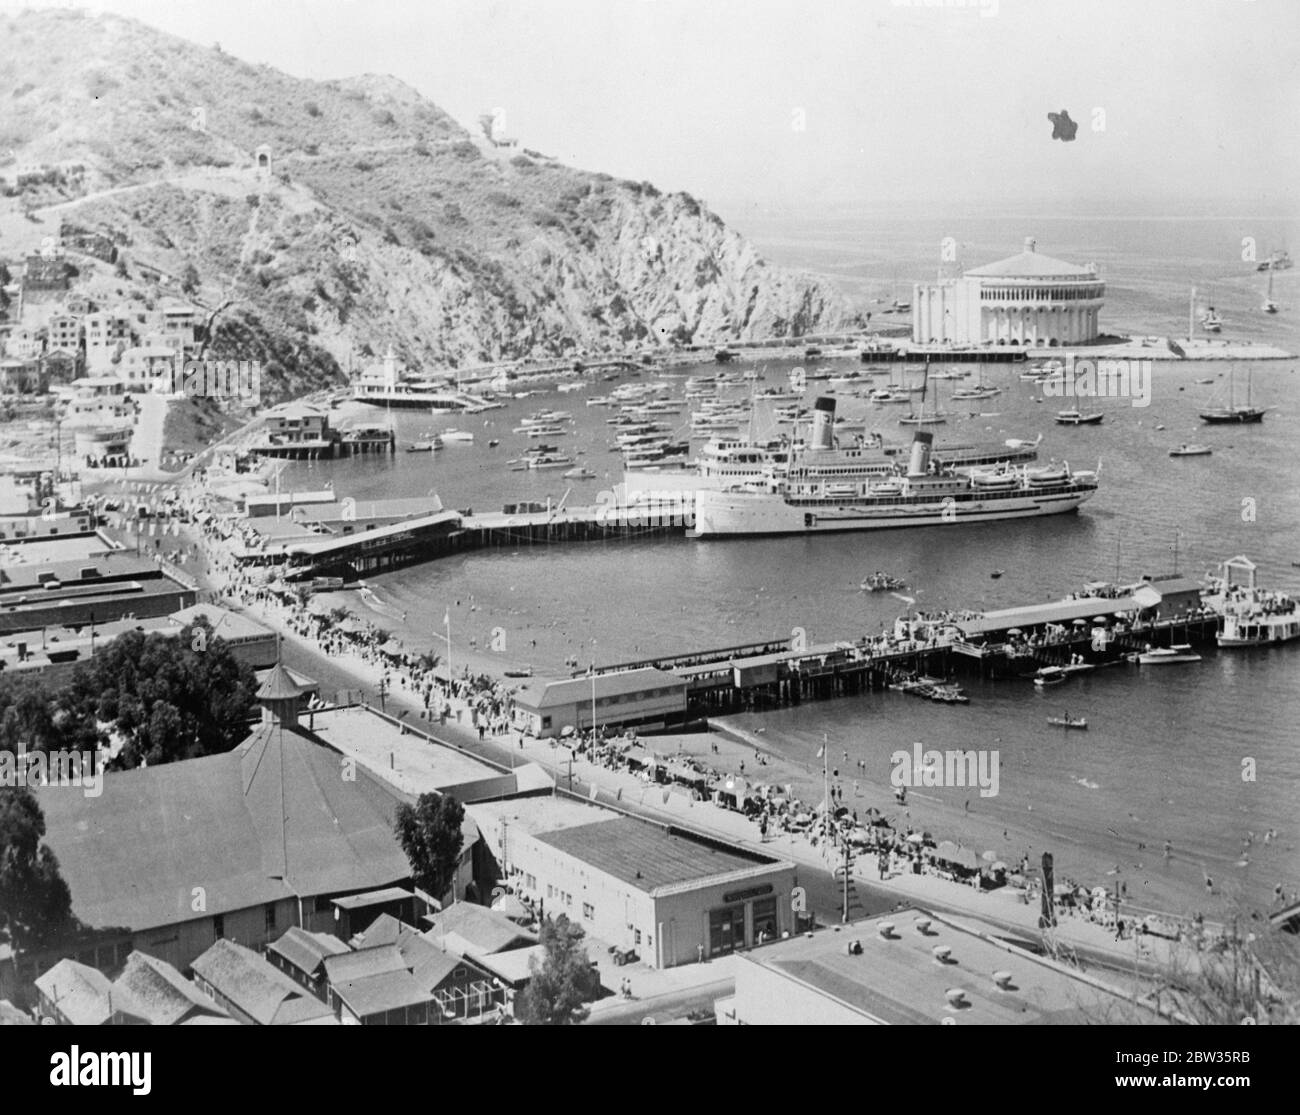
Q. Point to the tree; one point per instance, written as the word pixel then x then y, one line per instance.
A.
pixel 170 698
pixel 563 983
pixel 430 835
pixel 35 902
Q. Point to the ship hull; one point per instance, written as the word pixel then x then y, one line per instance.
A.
pixel 727 514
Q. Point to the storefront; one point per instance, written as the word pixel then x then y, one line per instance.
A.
pixel 748 918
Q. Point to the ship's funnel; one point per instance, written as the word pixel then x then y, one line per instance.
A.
pixel 823 423
pixel 920 462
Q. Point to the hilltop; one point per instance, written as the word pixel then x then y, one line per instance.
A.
pixel 377 220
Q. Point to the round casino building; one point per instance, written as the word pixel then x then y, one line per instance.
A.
pixel 1027 300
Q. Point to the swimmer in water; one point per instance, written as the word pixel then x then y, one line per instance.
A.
pixel 1168 848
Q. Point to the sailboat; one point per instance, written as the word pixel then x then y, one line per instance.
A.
pixel 978 391
pixel 935 419
pixel 1218 416
pixel 1269 306
pixel 1210 320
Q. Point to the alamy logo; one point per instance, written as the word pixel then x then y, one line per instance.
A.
pixel 1099 379
pixel 54 768
pixel 945 768
pixel 90 1069
pixel 214 379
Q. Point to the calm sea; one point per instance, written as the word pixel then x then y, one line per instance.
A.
pixel 1163 756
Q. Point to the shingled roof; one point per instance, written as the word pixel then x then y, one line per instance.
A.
pixel 221 819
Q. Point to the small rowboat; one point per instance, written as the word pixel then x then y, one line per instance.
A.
pixel 1191 451
pixel 1068 722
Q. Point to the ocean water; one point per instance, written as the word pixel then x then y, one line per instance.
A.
pixel 1163 757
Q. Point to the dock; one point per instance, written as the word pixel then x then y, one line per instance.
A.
pixel 1099 630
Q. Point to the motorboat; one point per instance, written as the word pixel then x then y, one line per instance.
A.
pixel 882 582
pixel 1163 656
pixel 1191 451
pixel 460 436
pixel 1068 721
pixel 1078 418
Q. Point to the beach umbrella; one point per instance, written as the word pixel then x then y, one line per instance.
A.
pixel 1100 619
pixel 989 857
pixel 1080 623
pixel 915 838
pixel 998 866
pixel 1014 631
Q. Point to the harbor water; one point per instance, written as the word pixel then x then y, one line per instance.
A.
pixel 1169 751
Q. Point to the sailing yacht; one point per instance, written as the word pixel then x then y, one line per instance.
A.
pixel 934 419
pixel 1218 416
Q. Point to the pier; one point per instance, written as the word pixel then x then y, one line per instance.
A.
pixel 1012 644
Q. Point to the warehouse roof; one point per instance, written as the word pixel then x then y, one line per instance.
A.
pixel 541 693
pixel 648 856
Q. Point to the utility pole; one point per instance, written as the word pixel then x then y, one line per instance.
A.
pixel 844 915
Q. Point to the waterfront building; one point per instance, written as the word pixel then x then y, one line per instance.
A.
pixel 643 697
pixel 1028 300
pixel 671 895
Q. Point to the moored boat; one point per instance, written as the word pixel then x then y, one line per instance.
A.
pixel 1163 656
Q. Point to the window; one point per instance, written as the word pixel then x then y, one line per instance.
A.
pixel 550 891
pixel 587 911
pixel 270 917
pixel 637 938
pixel 530 881
pixel 218 926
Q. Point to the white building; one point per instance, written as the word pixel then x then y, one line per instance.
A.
pixel 1028 299
pixel 671 895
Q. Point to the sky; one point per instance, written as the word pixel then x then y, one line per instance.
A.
pixel 810 106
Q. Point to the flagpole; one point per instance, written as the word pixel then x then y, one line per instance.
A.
pixel 451 676
pixel 826 785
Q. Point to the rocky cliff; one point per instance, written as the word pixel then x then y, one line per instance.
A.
pixel 325 220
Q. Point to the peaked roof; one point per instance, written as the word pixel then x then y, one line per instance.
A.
pixel 483 930
pixel 1031 265
pixel 80 993
pixel 306 951
pixel 279 686
pixel 349 966
pixel 153 989
pixel 384 930
pixel 271 819
pixel 254 986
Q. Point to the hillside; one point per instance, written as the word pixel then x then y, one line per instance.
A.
pixel 380 220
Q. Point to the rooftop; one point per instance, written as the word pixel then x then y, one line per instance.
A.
pixel 306 951
pixel 1030 265
pixel 259 990
pixel 221 819
pixel 647 856
pixel 349 966
pixel 899 981
pixel 157 991
pixel 410 761
pixel 543 693
pixel 81 993
pixel 226 624
pixel 371 995
pixel 479 930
